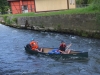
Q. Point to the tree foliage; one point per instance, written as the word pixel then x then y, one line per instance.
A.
pixel 84 1
pixel 90 1
pixel 96 5
pixel 79 1
pixel 3 6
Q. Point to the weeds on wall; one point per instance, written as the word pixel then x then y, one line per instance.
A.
pixel 5 18
pixel 14 20
pixel 78 31
pixel 84 34
pixel 59 27
pixel 97 35
pixel 9 22
pixel 41 25
pixel 98 19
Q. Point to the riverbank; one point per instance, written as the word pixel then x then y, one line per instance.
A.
pixel 78 24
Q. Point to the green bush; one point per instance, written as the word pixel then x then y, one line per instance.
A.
pixel 14 20
pixel 96 4
pixel 5 18
pixel 8 22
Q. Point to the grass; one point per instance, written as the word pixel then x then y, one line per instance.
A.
pixel 86 10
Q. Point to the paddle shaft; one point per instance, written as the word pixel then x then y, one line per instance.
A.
pixel 68 46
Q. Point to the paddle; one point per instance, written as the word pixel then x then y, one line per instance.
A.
pixel 69 46
pixel 68 51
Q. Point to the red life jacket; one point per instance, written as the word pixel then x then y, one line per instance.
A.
pixel 62 47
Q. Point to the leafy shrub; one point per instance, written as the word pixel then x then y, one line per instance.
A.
pixel 8 21
pixel 14 20
pixel 5 18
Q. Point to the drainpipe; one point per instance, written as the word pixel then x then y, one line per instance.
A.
pixel 68 4
pixel 34 7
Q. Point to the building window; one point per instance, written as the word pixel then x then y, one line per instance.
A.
pixel 72 2
pixel 24 7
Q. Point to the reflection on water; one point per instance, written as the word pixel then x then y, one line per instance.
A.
pixel 15 61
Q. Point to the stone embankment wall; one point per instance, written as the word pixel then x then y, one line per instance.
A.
pixel 80 21
pixel 78 24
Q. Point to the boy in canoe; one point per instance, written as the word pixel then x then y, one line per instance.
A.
pixel 64 48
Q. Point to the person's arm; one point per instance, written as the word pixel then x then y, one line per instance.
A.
pixel 67 47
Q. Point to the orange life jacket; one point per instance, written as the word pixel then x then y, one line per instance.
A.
pixel 34 45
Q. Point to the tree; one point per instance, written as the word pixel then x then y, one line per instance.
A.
pixel 84 1
pixel 90 1
pixel 3 6
pixel 79 2
pixel 96 4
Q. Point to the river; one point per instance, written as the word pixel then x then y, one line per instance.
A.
pixel 15 61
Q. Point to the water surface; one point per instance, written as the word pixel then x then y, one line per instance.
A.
pixel 15 61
